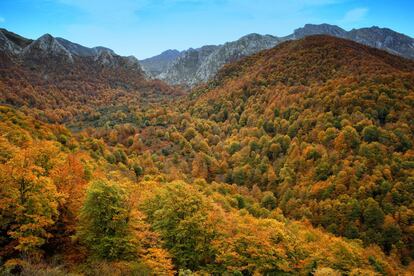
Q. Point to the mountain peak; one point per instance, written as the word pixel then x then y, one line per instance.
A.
pixel 46 36
pixel 153 66
pixel 198 65
pixel 313 29
pixel 46 46
pixel 170 52
pixel 46 41
pixel 384 38
pixel 99 50
pixel 104 57
pixel 132 63
pixel 251 36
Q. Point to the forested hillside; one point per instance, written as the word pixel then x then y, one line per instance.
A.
pixel 59 81
pixel 331 124
pixel 63 209
pixel 297 160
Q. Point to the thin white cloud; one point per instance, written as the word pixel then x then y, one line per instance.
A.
pixel 355 15
pixel 2 19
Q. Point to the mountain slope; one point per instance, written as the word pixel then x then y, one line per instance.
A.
pixel 80 50
pixel 182 71
pixel 7 45
pixel 327 125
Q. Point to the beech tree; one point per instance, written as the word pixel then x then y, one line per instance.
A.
pixel 105 222
pixel 28 197
pixel 180 214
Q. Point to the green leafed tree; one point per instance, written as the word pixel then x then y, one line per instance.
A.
pixel 105 222
pixel 180 214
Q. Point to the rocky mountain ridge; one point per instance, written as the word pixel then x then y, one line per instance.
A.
pixel 48 49
pixel 190 67
pixel 189 70
pixel 381 38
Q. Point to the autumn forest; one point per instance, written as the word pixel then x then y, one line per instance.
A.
pixel 296 160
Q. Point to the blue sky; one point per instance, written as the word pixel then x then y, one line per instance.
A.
pixel 147 27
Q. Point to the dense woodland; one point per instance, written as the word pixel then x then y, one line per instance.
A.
pixel 55 91
pixel 296 160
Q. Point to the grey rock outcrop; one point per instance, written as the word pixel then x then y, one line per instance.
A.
pixel 45 47
pixel 199 65
pixel 385 39
pixel 232 51
pixel 183 69
pixel 8 46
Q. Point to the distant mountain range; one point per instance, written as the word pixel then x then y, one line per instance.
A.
pixel 187 68
pixel 193 66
